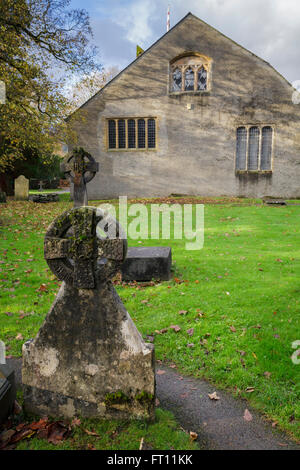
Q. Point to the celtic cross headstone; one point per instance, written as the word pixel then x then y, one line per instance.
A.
pixel 88 358
pixel 80 168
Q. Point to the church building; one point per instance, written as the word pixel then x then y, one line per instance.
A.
pixel 195 114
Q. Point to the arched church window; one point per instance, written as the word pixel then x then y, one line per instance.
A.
pixel 190 72
pixel 253 150
pixel 177 80
pixel 241 148
pixel 189 79
pixel 201 79
pixel 266 148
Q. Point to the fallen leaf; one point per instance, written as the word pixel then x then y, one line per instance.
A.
pixel 267 374
pixel 91 433
pixel 57 432
pixel 190 345
pixel 19 337
pixel 214 396
pixel 182 312
pixel 247 415
pixel 193 435
pixel 160 372
pixel 190 332
pixel 250 389
pixel 232 329
pixel 176 328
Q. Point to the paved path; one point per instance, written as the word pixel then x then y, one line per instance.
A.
pixel 219 424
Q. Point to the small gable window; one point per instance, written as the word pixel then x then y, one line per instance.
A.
pixel 190 72
pixel 254 148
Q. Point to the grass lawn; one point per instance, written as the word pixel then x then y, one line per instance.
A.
pixel 239 294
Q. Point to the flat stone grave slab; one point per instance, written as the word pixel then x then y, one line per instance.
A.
pixel 42 198
pixel 147 263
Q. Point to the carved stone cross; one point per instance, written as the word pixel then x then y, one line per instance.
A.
pixel 79 256
pixel 75 168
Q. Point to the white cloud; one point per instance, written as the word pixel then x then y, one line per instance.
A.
pixel 269 28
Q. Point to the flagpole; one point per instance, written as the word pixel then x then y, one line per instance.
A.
pixel 168 19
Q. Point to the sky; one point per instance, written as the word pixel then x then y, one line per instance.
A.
pixel 269 28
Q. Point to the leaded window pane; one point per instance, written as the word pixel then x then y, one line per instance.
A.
pixel 141 134
pixel 176 80
pixel 253 148
pixel 266 148
pixel 112 134
pixel 121 133
pixel 201 79
pixel 131 133
pixel 241 148
pixel 151 133
pixel 189 79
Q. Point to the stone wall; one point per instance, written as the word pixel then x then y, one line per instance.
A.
pixel 197 146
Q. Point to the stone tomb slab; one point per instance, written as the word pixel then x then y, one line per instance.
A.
pixel 147 263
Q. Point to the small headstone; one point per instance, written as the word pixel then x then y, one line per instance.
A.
pixel 147 263
pixel 41 185
pixel 2 197
pixel 88 357
pixel 21 188
pixel 80 168
pixel 274 201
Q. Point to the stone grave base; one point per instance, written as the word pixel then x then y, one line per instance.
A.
pixel 147 263
pixel 89 359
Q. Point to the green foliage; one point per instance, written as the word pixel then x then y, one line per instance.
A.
pixel 36 38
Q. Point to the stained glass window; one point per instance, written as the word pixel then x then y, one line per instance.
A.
pixel 121 133
pixel 131 133
pixel 266 148
pixel 241 148
pixel 141 134
pixel 189 79
pixel 201 79
pixel 112 134
pixel 253 150
pixel 151 133
pixel 177 80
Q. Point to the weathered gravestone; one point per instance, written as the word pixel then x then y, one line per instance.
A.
pixel 88 358
pixel 21 188
pixel 80 168
pixel 2 197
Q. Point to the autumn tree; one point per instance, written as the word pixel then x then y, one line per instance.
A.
pixel 88 85
pixel 43 43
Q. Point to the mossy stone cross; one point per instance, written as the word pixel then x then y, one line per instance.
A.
pixel 77 254
pixel 80 168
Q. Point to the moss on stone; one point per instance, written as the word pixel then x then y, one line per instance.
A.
pixel 116 398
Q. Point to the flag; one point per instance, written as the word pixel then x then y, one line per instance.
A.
pixel 168 18
pixel 139 50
